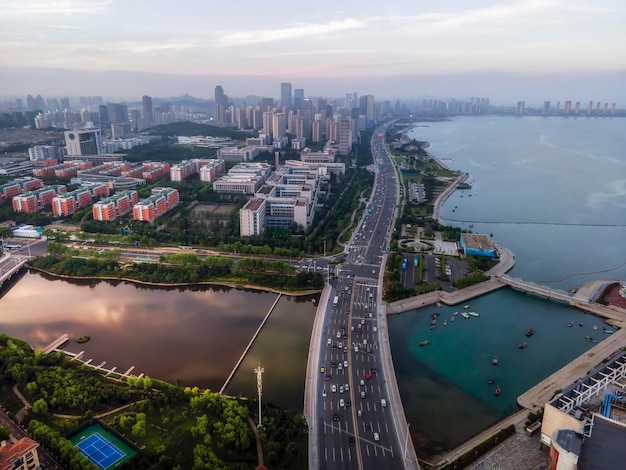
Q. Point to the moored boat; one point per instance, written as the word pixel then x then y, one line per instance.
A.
pixel 491 381
pixel 424 343
pixel 522 345
pixel 465 307
pixel 608 331
pixel 590 339
pixel 530 331
pixel 570 324
pixel 452 319
pixel 445 322
pixel 494 361
pixel 473 314
pixel 498 391
pixel 595 327
pixel 465 315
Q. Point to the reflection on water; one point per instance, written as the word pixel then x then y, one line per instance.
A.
pixel 192 335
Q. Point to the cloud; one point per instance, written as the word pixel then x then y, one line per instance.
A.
pixel 63 7
pixel 296 31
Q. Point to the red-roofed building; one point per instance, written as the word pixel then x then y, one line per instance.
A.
pixel 19 456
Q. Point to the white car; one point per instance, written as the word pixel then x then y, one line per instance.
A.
pixel 324 392
pixel 341 402
pixel 376 437
pixel 341 389
pixel 346 387
pixel 329 342
pixel 334 388
pixel 345 363
pixel 362 382
pixel 340 366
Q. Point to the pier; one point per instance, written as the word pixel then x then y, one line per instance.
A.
pixel 245 351
pixel 57 343
pixel 541 291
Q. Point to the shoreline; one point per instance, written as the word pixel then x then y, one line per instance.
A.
pixel 232 285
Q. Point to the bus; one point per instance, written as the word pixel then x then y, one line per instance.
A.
pixel 12 246
pixel 336 301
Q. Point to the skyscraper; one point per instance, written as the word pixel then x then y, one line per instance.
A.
pixel 298 99
pixel 221 103
pixel 285 94
pixel 118 113
pixel 147 110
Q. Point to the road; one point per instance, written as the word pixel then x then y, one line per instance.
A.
pixel 356 406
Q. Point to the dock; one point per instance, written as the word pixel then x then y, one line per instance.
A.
pixel 57 343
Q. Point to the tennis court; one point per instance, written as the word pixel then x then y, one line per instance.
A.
pixel 102 448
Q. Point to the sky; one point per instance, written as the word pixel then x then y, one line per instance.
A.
pixel 511 49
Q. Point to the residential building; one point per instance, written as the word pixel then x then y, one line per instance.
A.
pixel 115 206
pixel 212 170
pixel 160 201
pixel 21 455
pixel 45 152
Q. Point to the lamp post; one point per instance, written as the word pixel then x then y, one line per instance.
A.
pixel 259 386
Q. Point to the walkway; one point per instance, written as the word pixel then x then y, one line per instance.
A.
pixel 257 437
pixel 245 351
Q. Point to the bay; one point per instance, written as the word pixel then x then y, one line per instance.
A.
pixel 552 190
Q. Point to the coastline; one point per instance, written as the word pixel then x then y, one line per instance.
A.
pixel 232 285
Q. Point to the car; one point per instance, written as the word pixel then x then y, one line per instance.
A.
pixel 362 321
pixel 346 387
pixel 340 366
pixel 322 369
pixel 383 402
pixel 324 392
pixel 329 342
pixel 336 417
pixel 367 376
pixel 333 364
pixel 342 402
pixel 327 378
pixel 374 370
pixel 345 349
pixel 362 382
pixel 333 388
pixel 348 403
pixel 334 346
pixel 340 345
pixel 368 427
pixel 345 363
pixel 359 413
pixel 376 437
pixel 338 334
pixel 341 389
pixel 351 440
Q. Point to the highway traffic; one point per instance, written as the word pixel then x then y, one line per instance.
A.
pixel 357 427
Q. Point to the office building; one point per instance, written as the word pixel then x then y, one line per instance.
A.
pixel 148 117
pixel 285 95
pixel 83 142
pixel 298 100
pixel 118 113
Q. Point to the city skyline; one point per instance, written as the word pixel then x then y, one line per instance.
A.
pixel 516 50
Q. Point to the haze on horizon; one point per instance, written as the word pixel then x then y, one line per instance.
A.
pixel 506 50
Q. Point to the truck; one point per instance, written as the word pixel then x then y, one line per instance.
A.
pixel 336 301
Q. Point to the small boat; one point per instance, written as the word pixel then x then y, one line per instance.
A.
pixel 580 324
pixel 455 314
pixel 464 315
pixel 466 307
pixel 595 327
pixel 608 331
pixel 438 304
pixel 498 391
pixel 424 343
pixel 570 324
pixel 530 331
pixel 590 339
pixel 432 322
pixel 445 322
pixel 452 318
pixel 473 314
pixel 491 381
pixel 434 316
pixel 522 345
pixel 494 361
pixel 432 327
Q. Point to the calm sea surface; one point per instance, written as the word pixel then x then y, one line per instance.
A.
pixel 552 190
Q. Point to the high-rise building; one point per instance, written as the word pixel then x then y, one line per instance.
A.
pixel 520 107
pixel 568 107
pixel 546 107
pixel 285 94
pixel 267 104
pixel 279 125
pixel 298 99
pixel 148 117
pixel 65 104
pixel 103 110
pixel 118 113
pixel 83 142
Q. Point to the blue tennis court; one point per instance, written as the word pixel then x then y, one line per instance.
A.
pixel 100 451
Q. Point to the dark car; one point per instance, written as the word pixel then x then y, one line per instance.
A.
pixel 348 403
pixel 327 377
pixel 336 417
pixel 351 440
